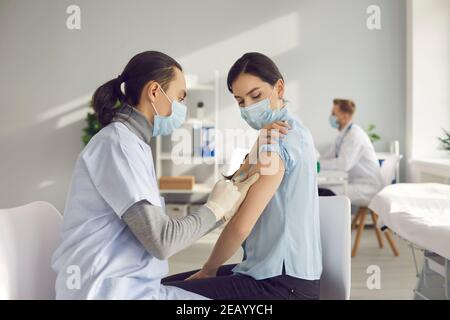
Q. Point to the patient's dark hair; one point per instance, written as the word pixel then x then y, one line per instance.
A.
pixel 142 68
pixel 256 64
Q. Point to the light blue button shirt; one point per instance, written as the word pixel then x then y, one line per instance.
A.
pixel 99 257
pixel 288 229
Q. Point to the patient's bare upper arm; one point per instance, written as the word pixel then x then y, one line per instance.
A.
pixel 271 169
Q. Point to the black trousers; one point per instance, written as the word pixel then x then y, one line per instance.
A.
pixel 229 286
pixel 326 192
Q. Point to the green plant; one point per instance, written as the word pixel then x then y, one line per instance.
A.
pixel 373 136
pixel 445 140
pixel 92 127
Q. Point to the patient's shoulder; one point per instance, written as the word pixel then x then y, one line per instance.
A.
pixel 298 145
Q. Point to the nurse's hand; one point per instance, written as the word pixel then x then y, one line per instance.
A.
pixel 226 197
pixel 243 186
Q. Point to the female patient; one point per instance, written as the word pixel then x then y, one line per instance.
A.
pixel 278 222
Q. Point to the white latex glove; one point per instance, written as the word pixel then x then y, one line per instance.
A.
pixel 222 198
pixel 226 197
pixel 243 186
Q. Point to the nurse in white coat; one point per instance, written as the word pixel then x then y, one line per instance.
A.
pixel 116 236
pixel 354 153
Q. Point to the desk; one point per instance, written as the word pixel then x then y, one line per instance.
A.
pixel 332 177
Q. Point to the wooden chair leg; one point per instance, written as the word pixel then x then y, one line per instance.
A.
pixel 377 230
pixel 355 218
pixel 362 217
pixel 391 241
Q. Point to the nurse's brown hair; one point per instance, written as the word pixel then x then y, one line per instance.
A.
pixel 142 68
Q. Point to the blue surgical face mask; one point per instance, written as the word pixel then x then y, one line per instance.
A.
pixel 164 125
pixel 333 122
pixel 259 114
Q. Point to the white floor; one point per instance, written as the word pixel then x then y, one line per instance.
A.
pixel 397 274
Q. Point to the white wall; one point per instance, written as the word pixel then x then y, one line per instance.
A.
pixel 429 76
pixel 48 72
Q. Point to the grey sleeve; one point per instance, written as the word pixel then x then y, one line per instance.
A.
pixel 163 236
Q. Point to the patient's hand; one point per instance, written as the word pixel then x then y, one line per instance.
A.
pixel 272 132
pixel 269 134
pixel 202 274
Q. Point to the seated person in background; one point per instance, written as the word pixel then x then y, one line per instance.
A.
pixel 353 153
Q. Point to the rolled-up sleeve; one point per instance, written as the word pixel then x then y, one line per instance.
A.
pixel 286 154
pixel 163 236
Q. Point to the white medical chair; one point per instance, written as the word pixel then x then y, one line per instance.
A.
pixel 388 174
pixel 28 237
pixel 336 240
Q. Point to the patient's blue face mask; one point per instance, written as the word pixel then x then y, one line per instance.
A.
pixel 333 122
pixel 259 114
pixel 164 125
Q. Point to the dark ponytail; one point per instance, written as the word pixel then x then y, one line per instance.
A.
pixel 106 100
pixel 142 68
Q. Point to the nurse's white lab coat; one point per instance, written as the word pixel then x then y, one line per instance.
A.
pixel 99 257
pixel 354 153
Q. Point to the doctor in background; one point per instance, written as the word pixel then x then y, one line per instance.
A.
pixel 352 152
